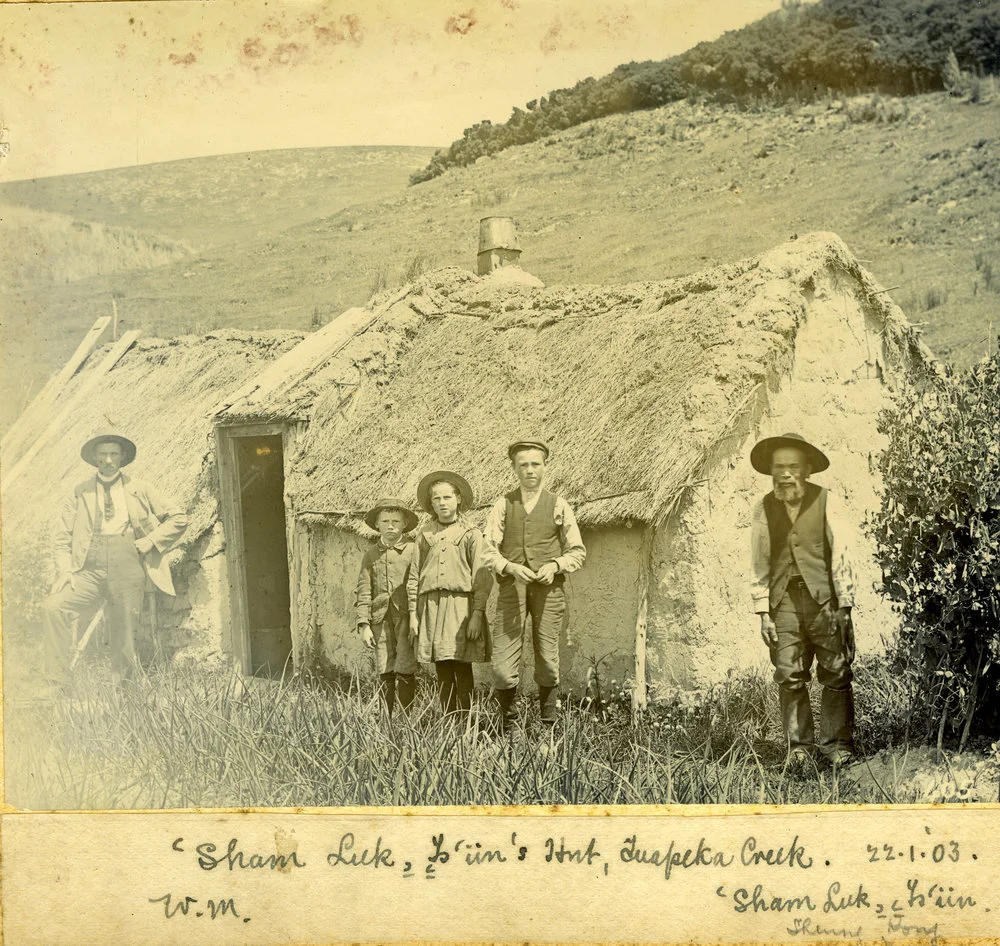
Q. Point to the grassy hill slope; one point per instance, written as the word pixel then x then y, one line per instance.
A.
pixel 211 201
pixel 912 185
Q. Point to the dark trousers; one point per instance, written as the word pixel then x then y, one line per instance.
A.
pixel 112 574
pixel 546 606
pixel 806 631
pixel 454 684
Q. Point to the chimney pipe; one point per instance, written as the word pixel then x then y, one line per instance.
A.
pixel 498 244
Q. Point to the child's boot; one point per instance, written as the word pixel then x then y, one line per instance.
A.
pixel 406 684
pixel 387 690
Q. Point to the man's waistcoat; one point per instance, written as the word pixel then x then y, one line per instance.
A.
pixel 530 539
pixel 800 547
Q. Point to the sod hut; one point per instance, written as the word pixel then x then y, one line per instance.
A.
pixel 650 394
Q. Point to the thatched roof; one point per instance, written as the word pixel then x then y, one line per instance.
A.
pixel 160 394
pixel 632 385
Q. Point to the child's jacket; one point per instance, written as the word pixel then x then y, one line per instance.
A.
pixel 382 580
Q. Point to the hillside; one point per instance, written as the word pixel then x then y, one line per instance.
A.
pixel 210 201
pixel 912 186
pixel 803 52
pixel 42 247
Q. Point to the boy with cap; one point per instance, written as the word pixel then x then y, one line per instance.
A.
pixel 380 601
pixel 533 542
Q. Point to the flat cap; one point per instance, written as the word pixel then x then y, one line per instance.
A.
pixel 519 445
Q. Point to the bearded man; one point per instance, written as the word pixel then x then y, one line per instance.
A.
pixel 802 586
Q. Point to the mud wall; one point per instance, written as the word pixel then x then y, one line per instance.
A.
pixel 700 623
pixel 193 625
pixel 603 604
pixel 325 564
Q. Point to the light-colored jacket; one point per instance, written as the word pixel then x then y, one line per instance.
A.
pixel 152 515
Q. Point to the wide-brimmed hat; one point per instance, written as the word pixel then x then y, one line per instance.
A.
pixel 391 502
pixel 763 451
pixel 89 450
pixel 528 445
pixel 445 476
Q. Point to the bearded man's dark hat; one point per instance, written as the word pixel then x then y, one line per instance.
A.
pixel 763 452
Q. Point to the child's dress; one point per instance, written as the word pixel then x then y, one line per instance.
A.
pixel 448 581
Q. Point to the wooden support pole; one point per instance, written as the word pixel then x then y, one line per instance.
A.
pixel 86 637
pixel 640 696
pixel 154 620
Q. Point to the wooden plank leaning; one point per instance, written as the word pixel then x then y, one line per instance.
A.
pixel 305 357
pixel 18 438
pixel 59 418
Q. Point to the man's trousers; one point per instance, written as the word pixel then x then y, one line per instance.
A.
pixel 112 574
pixel 805 630
pixel 546 606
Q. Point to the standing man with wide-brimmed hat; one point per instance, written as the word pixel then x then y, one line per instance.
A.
pixel 802 586
pixel 533 543
pixel 112 532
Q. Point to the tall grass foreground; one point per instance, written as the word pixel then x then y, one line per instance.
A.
pixel 214 739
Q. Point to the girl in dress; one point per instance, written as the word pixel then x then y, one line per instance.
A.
pixel 447 589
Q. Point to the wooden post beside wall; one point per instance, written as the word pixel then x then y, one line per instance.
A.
pixel 640 695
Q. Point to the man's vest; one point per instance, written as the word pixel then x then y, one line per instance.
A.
pixel 799 548
pixel 530 539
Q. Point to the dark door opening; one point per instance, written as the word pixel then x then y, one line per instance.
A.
pixel 260 468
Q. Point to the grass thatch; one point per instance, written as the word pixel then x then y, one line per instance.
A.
pixel 631 385
pixel 161 394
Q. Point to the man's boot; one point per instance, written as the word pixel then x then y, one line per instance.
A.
pixel 836 726
pixel 508 715
pixel 797 717
pixel 548 701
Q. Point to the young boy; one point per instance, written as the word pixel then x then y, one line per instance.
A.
pixel 532 542
pixel 381 600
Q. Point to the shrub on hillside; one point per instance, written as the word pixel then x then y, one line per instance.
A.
pixel 938 537
pixel 798 53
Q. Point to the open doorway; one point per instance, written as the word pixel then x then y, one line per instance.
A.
pixel 252 480
pixel 265 561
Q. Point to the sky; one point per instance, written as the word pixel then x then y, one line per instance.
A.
pixel 85 86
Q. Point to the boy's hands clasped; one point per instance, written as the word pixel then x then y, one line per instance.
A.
pixel 544 576
pixel 520 572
